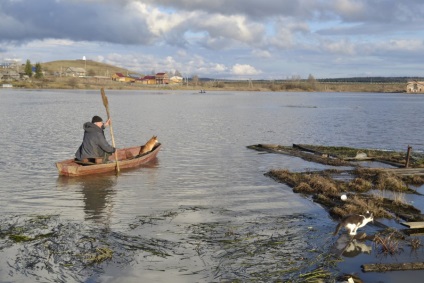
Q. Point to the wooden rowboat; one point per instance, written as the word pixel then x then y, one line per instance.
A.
pixel 127 157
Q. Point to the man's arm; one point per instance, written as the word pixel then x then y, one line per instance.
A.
pixel 104 145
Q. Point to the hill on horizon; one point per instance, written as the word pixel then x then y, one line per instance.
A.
pixel 92 67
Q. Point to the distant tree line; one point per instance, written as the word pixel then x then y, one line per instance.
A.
pixel 312 80
pixel 370 80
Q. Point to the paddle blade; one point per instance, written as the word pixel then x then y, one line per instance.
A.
pixel 104 98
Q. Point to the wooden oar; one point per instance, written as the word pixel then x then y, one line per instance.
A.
pixel 106 104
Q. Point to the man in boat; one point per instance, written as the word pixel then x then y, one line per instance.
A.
pixel 94 144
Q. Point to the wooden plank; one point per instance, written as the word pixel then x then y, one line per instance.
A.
pixel 304 148
pixel 383 267
pixel 413 225
pixel 396 164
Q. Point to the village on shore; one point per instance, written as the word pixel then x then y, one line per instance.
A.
pixel 87 74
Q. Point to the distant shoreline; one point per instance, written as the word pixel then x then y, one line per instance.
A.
pixel 99 75
pixel 263 86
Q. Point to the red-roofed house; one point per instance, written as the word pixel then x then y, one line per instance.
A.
pixel 149 80
pixel 162 78
pixel 119 77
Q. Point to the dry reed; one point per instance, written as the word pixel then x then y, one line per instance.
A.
pixel 388 244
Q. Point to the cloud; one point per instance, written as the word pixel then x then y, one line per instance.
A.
pixel 250 8
pixel 244 70
pixel 216 38
pixel 286 34
pixel 341 47
pixel 21 21
pixel 234 27
pixel 415 45
pixel 350 9
pixel 262 53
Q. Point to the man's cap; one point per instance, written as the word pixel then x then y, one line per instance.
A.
pixel 96 119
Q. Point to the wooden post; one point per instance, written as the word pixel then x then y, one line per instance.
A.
pixel 408 156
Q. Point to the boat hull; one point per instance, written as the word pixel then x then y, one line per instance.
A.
pixel 127 157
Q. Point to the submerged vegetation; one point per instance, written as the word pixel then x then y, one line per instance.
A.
pixel 262 249
pixel 44 245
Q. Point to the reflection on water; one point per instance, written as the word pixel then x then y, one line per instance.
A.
pixel 349 247
pixel 97 193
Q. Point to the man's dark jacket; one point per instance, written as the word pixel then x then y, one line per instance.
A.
pixel 94 143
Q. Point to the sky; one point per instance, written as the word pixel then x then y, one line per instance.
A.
pixel 233 39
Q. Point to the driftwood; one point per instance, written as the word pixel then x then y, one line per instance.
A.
pixel 304 148
pixel 382 267
pixel 292 151
pixel 413 225
pixel 415 228
pixel 360 156
pixel 304 152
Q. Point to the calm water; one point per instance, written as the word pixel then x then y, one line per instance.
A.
pixel 204 160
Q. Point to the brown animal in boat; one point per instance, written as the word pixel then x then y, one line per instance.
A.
pixel 149 145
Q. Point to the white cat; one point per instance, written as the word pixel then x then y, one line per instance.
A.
pixel 352 222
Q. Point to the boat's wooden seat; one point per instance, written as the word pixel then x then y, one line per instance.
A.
pixel 90 161
pixel 84 163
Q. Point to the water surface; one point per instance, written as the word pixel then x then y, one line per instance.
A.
pixel 204 160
